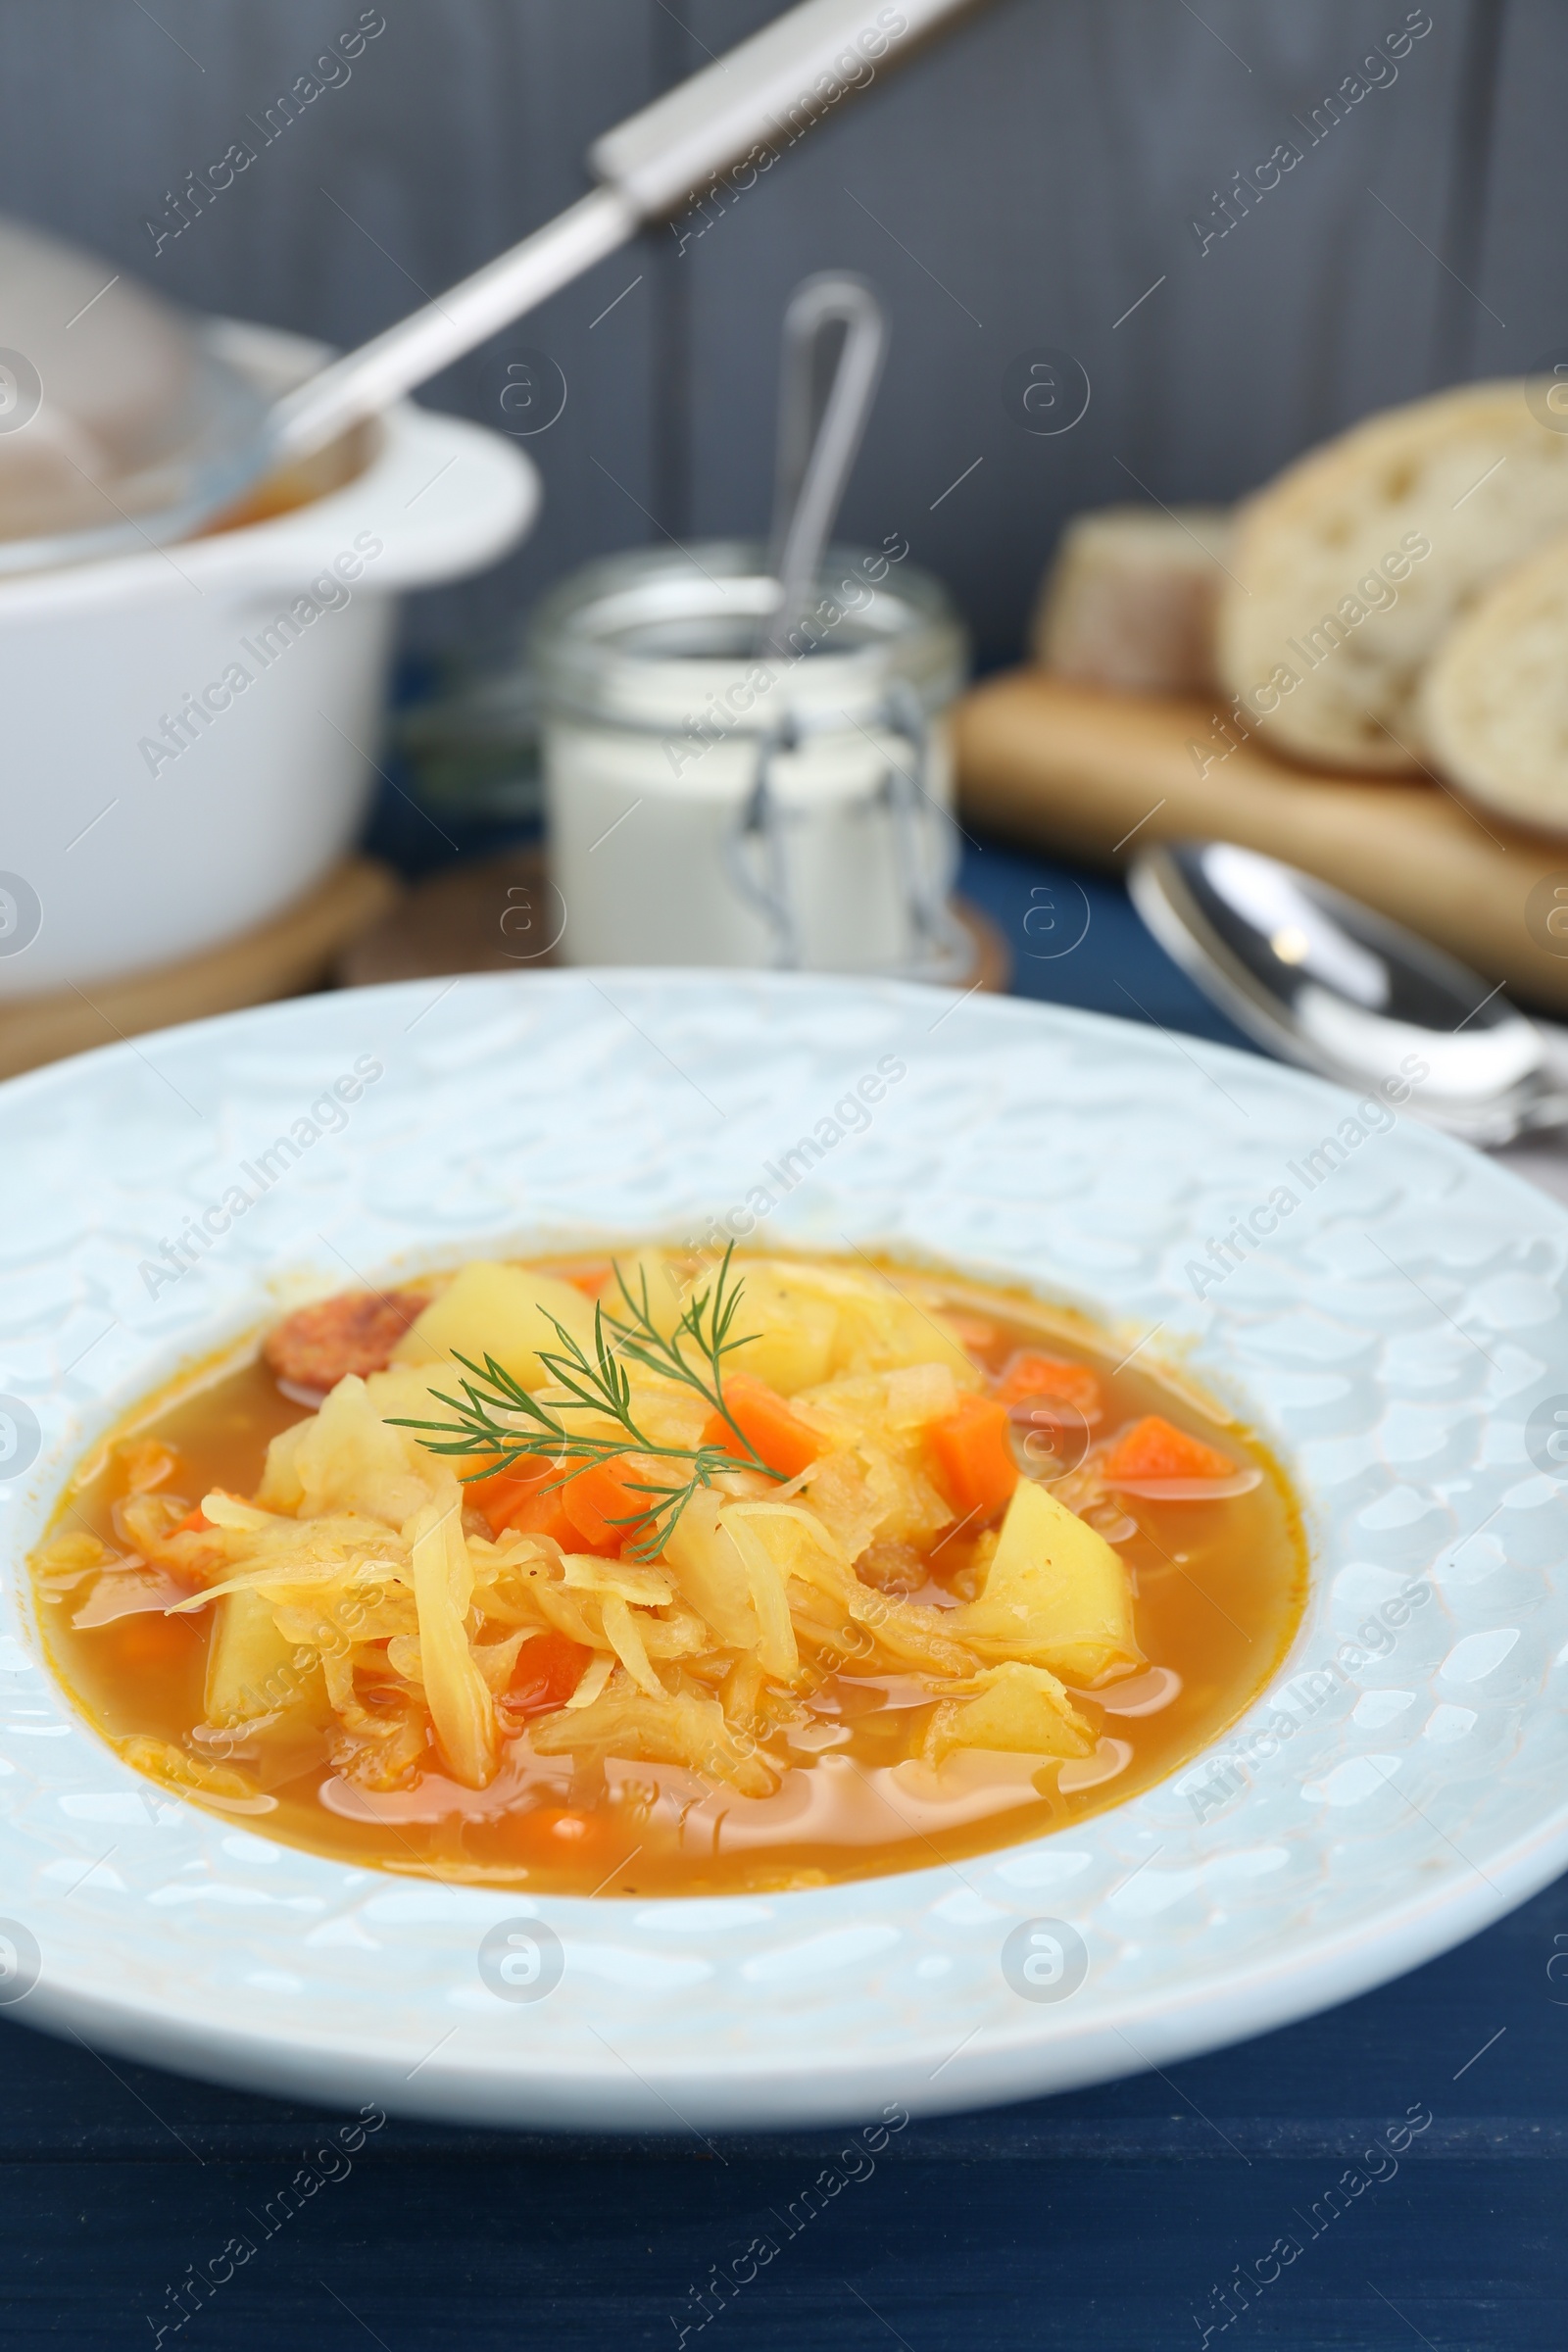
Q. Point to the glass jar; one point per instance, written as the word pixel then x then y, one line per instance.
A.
pixel 712 804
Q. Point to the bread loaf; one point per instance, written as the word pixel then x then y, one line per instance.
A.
pixel 1129 603
pixel 1494 703
pixel 1356 560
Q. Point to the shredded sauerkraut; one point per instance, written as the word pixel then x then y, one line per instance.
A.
pixel 365 1607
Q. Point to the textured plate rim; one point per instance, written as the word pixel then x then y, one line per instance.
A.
pixel 1355 1958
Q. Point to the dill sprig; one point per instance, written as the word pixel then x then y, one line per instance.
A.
pixel 492 1404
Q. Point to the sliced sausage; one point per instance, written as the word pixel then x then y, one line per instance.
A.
pixel 316 1345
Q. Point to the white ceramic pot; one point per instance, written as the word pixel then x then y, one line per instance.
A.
pixel 186 737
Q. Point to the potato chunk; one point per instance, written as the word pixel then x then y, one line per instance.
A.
pixel 249 1668
pixel 651 1275
pixel 501 1311
pixel 788 1330
pixel 1022 1710
pixel 1056 1596
pixel 347 1457
pixel 879 1323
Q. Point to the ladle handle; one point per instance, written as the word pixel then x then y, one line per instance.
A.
pixel 419 347
pixel 765 92
pixel 768 91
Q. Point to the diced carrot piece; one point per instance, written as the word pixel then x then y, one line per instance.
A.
pixel 546 1516
pixel 550 1833
pixel 972 1456
pixel 603 1505
pixel 572 1829
pixel 1030 1375
pixel 193 1523
pixel 549 1668
pixel 592 1280
pixel 503 1493
pixel 534 1512
pixel 1154 1448
pixel 778 1437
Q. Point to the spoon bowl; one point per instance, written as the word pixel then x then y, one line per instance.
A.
pixel 1323 982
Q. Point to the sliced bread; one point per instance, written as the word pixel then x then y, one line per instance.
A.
pixel 1494 703
pixel 1354 564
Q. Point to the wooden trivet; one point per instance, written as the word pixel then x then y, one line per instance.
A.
pixel 504 914
pixel 292 952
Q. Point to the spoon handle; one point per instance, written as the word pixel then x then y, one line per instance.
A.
pixel 818 435
pixel 766 92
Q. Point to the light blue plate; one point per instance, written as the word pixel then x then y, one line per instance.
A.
pixel 1403 1781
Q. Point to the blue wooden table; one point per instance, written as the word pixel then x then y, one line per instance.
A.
pixel 1115 2218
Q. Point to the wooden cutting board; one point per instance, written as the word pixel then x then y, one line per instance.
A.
pixel 293 952
pixel 1098 775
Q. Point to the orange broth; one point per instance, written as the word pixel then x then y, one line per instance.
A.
pixel 1218 1588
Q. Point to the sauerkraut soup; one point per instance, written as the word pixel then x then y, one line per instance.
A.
pixel 666 1576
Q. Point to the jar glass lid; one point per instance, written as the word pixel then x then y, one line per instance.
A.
pixel 649 638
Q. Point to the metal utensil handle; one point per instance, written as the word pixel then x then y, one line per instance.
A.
pixel 770 87
pixel 420 345
pixel 818 437
pixel 943 949
pixel 767 90
pixel 762 819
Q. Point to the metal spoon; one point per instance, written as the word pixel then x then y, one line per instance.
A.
pixel 757 97
pixel 1323 982
pixel 820 429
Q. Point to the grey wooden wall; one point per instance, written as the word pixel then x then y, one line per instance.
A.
pixel 1021 184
